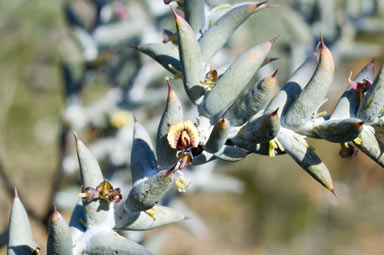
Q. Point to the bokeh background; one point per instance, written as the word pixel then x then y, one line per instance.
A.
pixel 281 209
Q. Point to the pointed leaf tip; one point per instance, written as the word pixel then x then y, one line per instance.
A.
pixel 55 216
pixel 78 142
pixel 256 6
pixel 323 46
pixel 333 192
pixel 275 114
pixel 171 92
pixel 261 3
pixel 175 15
pixel 273 40
pixel 224 122
pixel 16 194
pixel 137 47
pixel 372 62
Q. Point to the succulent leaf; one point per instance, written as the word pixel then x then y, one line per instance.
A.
pixel 339 131
pixel 313 94
pixel 172 115
pixel 373 101
pixel 234 81
pixel 150 191
pixel 231 153
pixel 59 236
pixel 218 34
pixel 76 223
pixel 166 54
pixel 90 171
pixel 194 11
pixel 190 58
pixel 292 88
pixel 110 243
pixel 259 130
pixel 202 158
pixel 96 212
pixel 252 101
pixel 142 221
pixel 349 101
pixel 371 145
pixel 218 136
pixel 20 234
pixel 143 161
pixel 306 158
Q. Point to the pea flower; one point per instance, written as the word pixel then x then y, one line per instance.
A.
pixel 183 137
pixel 103 191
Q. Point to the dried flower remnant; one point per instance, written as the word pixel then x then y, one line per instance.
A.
pixel 89 194
pixel 274 144
pixel 210 79
pixel 180 182
pixel 152 212
pixel 361 86
pixel 347 150
pixel 103 191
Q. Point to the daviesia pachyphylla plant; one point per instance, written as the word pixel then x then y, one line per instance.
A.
pixel 233 119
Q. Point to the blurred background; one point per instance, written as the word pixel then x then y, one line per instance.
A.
pixel 54 80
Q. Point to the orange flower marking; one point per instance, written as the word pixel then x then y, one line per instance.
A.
pixel 183 136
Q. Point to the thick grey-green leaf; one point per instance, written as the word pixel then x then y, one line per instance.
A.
pixel 259 130
pixel 143 161
pixel 218 136
pixel 313 94
pixel 190 58
pixel 149 192
pixel 348 103
pixel 234 81
pixel 165 54
pixel 251 102
pixel 194 12
pixel 111 243
pixel 339 130
pixel 371 145
pixel 173 114
pixel 20 234
pixel 97 211
pixel 231 153
pixel 306 158
pixel 59 236
pixel 218 34
pixel 373 101
pixel 143 221
pixel 292 88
